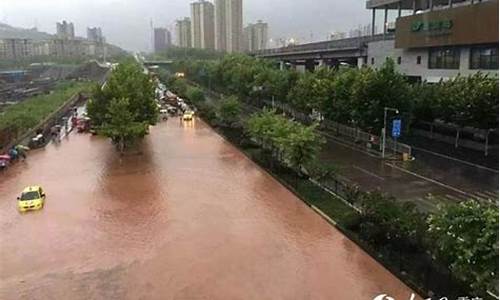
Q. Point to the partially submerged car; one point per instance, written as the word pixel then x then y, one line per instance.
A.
pixel 188 115
pixel 32 198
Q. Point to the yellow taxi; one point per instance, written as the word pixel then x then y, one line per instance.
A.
pixel 188 116
pixel 32 198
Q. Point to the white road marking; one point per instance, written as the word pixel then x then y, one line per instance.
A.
pixel 456 159
pixel 429 179
pixel 345 144
pixel 368 172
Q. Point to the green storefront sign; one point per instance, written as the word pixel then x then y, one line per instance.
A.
pixel 431 26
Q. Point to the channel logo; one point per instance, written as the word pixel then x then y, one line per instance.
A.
pixel 383 297
pixel 387 297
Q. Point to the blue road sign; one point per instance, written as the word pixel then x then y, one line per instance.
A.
pixel 396 128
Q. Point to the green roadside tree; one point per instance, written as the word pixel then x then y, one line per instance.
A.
pixel 120 125
pixel 236 74
pixel 195 95
pixel 259 126
pixel 313 91
pixel 375 89
pixel 228 111
pixel 465 237
pixel 302 145
pixel 388 222
pixel 129 82
pixel 178 53
pixel 483 110
pixel 426 101
pixel 289 141
pixel 179 86
pixel 469 101
pixel 341 109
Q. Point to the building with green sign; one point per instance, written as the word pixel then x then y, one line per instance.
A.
pixel 437 39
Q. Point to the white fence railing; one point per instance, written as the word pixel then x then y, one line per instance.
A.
pixel 352 133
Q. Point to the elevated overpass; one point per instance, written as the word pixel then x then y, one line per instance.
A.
pixel 157 63
pixel 350 51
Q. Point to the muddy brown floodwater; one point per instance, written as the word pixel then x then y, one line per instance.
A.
pixel 190 218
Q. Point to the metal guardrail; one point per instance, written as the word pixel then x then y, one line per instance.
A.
pixel 397 147
pixel 358 135
pixel 355 134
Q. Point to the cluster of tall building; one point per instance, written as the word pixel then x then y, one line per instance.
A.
pixel 162 39
pixel 63 45
pixel 219 26
pixel 256 36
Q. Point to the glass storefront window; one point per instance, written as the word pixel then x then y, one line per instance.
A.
pixel 444 58
pixel 484 57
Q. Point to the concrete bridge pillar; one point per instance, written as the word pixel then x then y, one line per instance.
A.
pixel 310 65
pixel 282 65
pixel 361 62
pixel 321 63
pixel 300 68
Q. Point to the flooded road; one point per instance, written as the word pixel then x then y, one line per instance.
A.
pixel 189 218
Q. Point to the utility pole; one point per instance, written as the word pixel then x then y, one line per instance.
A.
pixel 384 130
pixel 152 35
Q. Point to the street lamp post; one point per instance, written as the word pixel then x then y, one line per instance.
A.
pixel 384 130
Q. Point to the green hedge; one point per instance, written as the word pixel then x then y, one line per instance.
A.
pixel 28 113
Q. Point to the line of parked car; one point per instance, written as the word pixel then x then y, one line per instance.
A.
pixel 172 105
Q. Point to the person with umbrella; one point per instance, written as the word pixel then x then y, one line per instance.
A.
pixel 21 151
pixel 13 154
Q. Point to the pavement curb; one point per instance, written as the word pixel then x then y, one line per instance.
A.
pixel 324 216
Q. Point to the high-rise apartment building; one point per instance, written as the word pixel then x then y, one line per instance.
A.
pixel 234 25
pixel 162 39
pixel 229 25
pixel 168 38
pixel 183 33
pixel 256 36
pixel 220 25
pixel 94 34
pixel 65 30
pixel 202 25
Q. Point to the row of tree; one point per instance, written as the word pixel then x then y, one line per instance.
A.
pixel 291 142
pixel 125 107
pixel 186 53
pixel 462 238
pixel 352 96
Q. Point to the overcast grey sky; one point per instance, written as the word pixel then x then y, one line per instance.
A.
pixel 126 22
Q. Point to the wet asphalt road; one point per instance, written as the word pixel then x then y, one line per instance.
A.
pixel 427 181
pixel 189 218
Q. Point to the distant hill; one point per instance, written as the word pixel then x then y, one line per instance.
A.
pixel 9 32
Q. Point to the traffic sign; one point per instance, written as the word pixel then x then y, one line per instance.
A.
pixel 396 128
